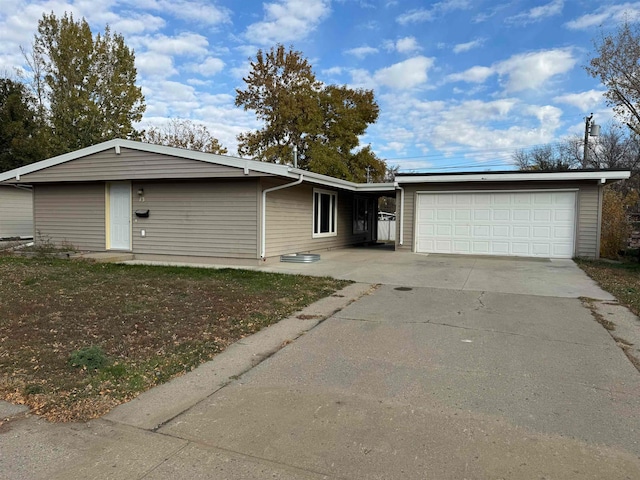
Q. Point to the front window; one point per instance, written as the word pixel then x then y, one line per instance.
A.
pixel 325 213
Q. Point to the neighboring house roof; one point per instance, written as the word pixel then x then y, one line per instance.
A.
pixel 229 161
pixel 513 176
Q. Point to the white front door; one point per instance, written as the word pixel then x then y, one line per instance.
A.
pixel 119 216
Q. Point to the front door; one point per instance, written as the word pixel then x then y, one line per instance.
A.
pixel 119 233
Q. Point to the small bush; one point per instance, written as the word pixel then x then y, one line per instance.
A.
pixel 89 358
pixel 616 227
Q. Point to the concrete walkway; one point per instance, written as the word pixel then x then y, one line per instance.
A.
pixel 488 376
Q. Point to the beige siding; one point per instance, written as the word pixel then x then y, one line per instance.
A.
pixel 290 221
pixel 131 165
pixel 16 212
pixel 586 242
pixel 70 213
pixel 211 219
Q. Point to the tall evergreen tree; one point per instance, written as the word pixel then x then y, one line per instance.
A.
pixel 21 138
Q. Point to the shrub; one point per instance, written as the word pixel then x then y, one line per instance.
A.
pixel 616 227
pixel 89 358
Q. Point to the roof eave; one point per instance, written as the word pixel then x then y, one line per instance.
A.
pixel 601 176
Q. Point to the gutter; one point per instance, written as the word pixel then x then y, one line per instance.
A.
pixel 263 236
pixel 401 239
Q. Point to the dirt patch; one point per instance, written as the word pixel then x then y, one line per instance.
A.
pixel 152 323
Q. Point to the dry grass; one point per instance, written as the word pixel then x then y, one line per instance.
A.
pixel 622 280
pixel 153 323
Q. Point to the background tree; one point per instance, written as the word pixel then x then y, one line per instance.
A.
pixel 88 84
pixel 551 157
pixel 21 138
pixel 184 133
pixel 617 65
pixel 611 149
pixel 323 122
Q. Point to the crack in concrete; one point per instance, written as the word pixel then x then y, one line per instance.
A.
pixel 462 327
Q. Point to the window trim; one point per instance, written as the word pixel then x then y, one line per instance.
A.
pixel 333 215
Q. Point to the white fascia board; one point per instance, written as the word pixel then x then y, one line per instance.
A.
pixel 515 177
pixel 375 187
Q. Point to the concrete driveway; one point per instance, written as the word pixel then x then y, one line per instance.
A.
pixel 452 368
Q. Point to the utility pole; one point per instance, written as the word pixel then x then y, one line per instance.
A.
pixel 368 174
pixel 590 130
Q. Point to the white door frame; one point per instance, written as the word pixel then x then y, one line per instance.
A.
pixel 107 217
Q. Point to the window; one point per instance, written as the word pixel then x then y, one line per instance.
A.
pixel 325 213
pixel 360 215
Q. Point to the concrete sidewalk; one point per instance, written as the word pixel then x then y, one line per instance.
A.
pixel 407 382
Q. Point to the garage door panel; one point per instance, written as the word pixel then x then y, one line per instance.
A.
pixel 426 214
pixel 520 248
pixel 443 246
pixel 563 233
pixel 501 215
pixel 563 215
pixel 499 248
pixel 497 223
pixel 444 230
pixel 462 230
pixel 541 232
pixel 426 229
pixel 543 249
pixel 481 247
pixel 481 231
pixel 500 231
pixel 462 215
pixel 521 232
pixel 444 214
pixel 542 215
pixel 481 215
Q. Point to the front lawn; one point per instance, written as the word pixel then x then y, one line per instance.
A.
pixel 622 280
pixel 78 338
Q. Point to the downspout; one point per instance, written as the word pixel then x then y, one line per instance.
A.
pixel 263 239
pixel 401 241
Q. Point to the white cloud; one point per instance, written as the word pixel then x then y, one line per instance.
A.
pixel 208 67
pixel 186 43
pixel 135 23
pixel 407 74
pixel 407 45
pixel 287 21
pixel 203 12
pixel 361 52
pixel 607 14
pixel 465 47
pixel 524 71
pixel 429 14
pixel 477 74
pixel 531 70
pixel 155 64
pixel 332 71
pixel 585 101
pixel 537 14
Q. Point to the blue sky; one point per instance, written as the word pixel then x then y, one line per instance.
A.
pixel 461 83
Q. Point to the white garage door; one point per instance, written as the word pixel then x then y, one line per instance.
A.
pixel 528 224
